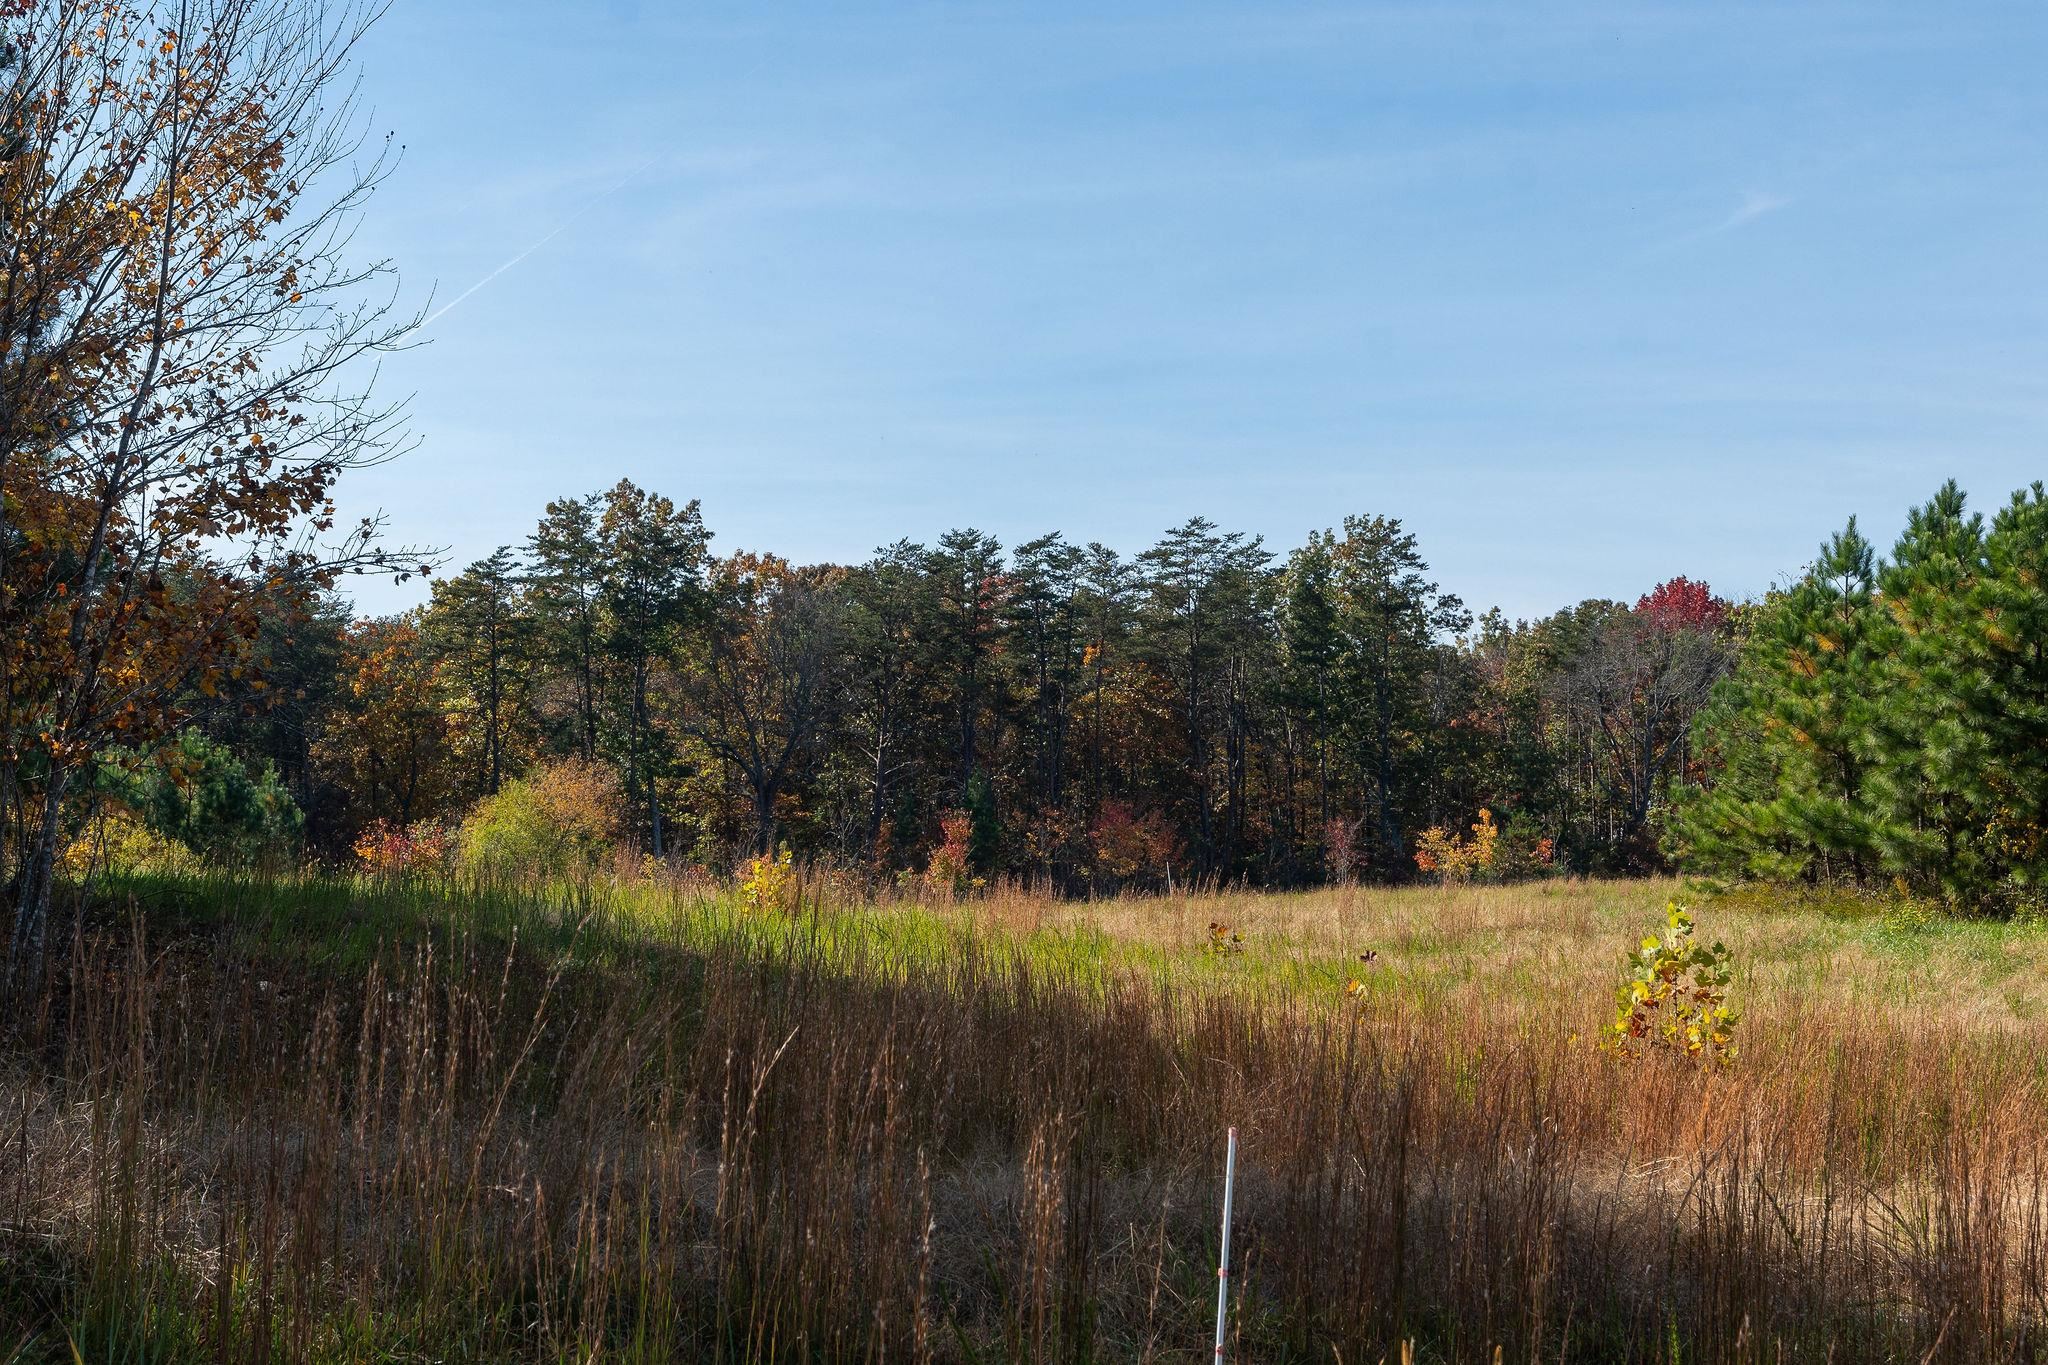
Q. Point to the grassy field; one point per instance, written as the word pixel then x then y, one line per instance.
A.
pixel 332 1120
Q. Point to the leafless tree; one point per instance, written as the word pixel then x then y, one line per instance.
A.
pixel 1629 698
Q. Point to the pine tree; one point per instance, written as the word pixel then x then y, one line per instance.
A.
pixel 1042 613
pixel 888 679
pixel 1929 751
pixel 1395 624
pixel 1109 587
pixel 1791 732
pixel 1963 773
pixel 1313 642
pixel 984 827
pixel 478 627
pixel 565 579
pixel 1891 720
pixel 967 571
pixel 2013 612
pixel 1207 604
pixel 1835 640
pixel 653 555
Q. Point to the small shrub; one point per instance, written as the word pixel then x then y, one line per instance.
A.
pixel 1342 857
pixel 120 842
pixel 769 882
pixel 1523 852
pixel 391 850
pixel 1224 941
pixel 559 822
pixel 950 869
pixel 1675 998
pixel 1443 854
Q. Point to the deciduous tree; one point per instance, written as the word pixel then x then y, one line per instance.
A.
pixel 763 680
pixel 179 324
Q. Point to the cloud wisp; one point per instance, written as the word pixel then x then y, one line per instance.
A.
pixel 560 228
pixel 1754 205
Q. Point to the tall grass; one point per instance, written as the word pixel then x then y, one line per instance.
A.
pixel 310 1120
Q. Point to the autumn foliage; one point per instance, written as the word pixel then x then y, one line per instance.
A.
pixel 562 820
pixel 947 871
pixel 1680 603
pixel 1439 853
pixel 1128 845
pixel 1674 998
pixel 176 326
pixel 388 850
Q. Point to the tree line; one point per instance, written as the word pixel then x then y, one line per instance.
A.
pixel 1203 710
pixel 187 350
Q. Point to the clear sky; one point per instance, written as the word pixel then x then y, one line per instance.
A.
pixel 1588 295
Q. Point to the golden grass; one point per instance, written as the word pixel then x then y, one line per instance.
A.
pixel 1528 941
pixel 351 1122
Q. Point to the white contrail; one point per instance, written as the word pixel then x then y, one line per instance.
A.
pixel 566 223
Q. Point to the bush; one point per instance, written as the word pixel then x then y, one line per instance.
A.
pixel 949 872
pixel 1453 859
pixel 1128 846
pixel 389 850
pixel 769 883
pixel 1524 852
pixel 1224 941
pixel 559 822
pixel 1675 998
pixel 120 842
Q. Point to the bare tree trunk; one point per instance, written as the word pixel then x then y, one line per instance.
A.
pixel 764 819
pixel 32 902
pixel 878 796
pixel 587 679
pixel 497 753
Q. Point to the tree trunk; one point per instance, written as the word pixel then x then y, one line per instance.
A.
pixel 764 820
pixel 32 901
pixel 641 735
pixel 588 680
pixel 879 785
pixel 492 740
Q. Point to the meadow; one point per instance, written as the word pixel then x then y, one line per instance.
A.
pixel 368 1119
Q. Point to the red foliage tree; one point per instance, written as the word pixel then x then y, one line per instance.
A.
pixel 1680 603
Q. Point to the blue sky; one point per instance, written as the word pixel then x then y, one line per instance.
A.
pixel 1588 295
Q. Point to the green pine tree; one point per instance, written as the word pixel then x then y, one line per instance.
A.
pixel 1791 732
pixel 1927 747
pixel 984 827
pixel 1889 722
pixel 1964 773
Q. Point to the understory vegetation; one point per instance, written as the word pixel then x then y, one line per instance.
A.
pixel 375 1118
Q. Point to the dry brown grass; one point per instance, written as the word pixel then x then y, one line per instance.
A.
pixel 994 1133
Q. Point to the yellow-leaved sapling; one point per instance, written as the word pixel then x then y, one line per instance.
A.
pixel 1674 998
